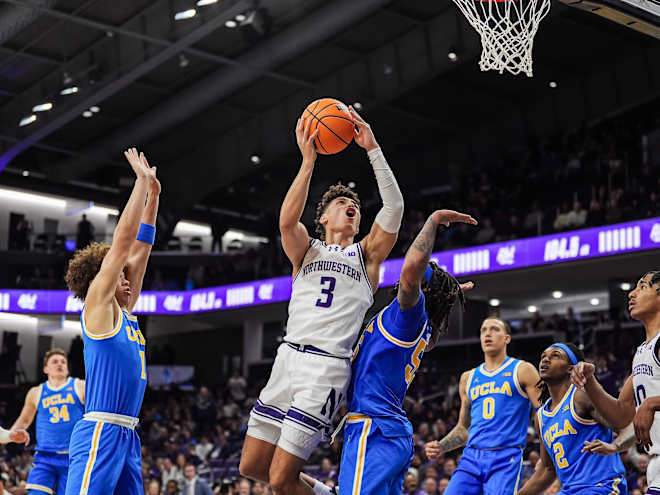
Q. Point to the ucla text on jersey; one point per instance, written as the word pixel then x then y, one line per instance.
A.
pixel 564 434
pixel 495 395
pixel 59 409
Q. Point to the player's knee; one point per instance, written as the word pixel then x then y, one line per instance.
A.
pixel 283 483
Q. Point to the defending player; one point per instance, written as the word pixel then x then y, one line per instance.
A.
pixel 496 402
pixel 58 404
pixel 378 443
pixel 105 452
pixel 639 399
pixel 334 279
pixel 566 422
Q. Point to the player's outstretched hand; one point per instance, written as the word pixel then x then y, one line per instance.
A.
pixel 363 135
pixel 305 141
pixel 141 170
pixel 154 183
pixel 599 447
pixel 446 217
pixel 581 372
pixel 432 449
pixel 467 286
pixel 19 436
pixel 642 423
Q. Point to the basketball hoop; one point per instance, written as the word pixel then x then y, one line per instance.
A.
pixel 507 29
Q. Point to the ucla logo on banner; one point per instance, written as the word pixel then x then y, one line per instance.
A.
pixel 265 292
pixel 655 233
pixel 506 255
pixel 173 303
pixel 73 304
pixel 27 301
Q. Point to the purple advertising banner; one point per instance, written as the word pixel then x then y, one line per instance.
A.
pixel 557 248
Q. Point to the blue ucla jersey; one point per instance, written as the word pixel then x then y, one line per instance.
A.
pixel 57 413
pixel 385 361
pixel 500 407
pixel 116 368
pixel 564 434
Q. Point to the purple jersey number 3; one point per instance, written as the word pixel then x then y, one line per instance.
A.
pixel 327 292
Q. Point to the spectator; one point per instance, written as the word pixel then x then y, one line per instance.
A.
pixel 193 484
pixel 442 484
pixel 244 487
pixel 411 485
pixel 430 486
pixel 203 448
pixel 596 215
pixel 153 487
pixel 172 488
pixel 577 217
pixel 561 220
pixel 237 386
pixel 327 471
pixel 449 466
pixel 204 409
pixel 170 472
pixel 85 233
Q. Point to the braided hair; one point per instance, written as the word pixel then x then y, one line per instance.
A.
pixel 543 387
pixel 441 292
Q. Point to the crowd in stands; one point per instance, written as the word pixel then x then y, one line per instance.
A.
pixel 597 175
pixel 188 432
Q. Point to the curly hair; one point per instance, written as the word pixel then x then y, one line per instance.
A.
pixel 655 278
pixel 84 266
pixel 543 386
pixel 441 293
pixel 335 191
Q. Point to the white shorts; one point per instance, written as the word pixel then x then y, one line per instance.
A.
pixel 653 474
pixel 296 407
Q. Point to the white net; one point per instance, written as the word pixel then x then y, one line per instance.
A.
pixel 507 29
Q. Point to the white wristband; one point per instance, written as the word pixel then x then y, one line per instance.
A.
pixel 390 215
pixel 4 436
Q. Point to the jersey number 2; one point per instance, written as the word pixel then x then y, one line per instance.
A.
pixel 327 292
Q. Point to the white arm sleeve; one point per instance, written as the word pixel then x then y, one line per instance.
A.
pixel 390 215
pixel 4 436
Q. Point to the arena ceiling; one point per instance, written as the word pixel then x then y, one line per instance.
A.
pixel 201 98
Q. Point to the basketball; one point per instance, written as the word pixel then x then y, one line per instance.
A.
pixel 334 123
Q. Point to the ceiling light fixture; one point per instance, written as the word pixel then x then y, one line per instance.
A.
pixel 625 286
pixel 557 294
pixel 552 84
pixel 202 3
pixel 26 173
pixel 452 56
pixel 494 302
pixel 255 159
pixel 351 185
pixel 240 17
pixel 87 114
pixel 27 120
pixel 94 109
pixel 185 14
pixel 358 106
pixel 42 107
pixel 69 91
pixel 231 24
pixel 532 309
pixel 594 301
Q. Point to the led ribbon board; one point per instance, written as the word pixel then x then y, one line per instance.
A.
pixel 537 251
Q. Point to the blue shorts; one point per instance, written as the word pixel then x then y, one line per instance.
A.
pixel 104 458
pixel 616 486
pixel 372 463
pixel 487 472
pixel 48 474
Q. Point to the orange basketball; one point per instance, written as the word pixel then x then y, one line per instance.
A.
pixel 334 123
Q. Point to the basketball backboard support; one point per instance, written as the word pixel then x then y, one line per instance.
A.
pixel 640 15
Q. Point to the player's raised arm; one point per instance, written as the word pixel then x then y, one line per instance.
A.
pixel 295 239
pixel 528 377
pixel 543 476
pixel 27 415
pixel 458 436
pixel 417 258
pixel 141 248
pixel 617 412
pixel 385 229
pixel 99 310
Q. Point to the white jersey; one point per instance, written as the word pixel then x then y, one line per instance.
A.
pixel 330 295
pixel 646 383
